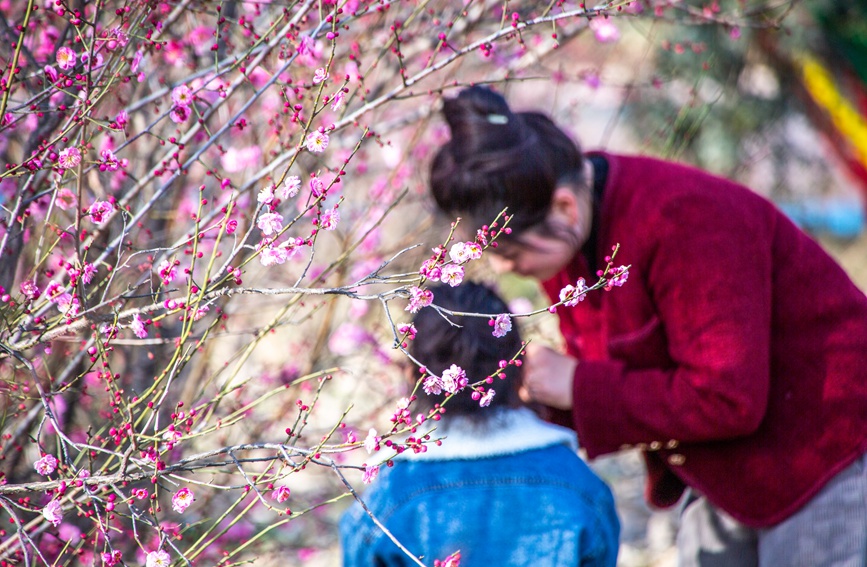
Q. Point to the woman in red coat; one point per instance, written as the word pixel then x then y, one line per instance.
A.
pixel 735 356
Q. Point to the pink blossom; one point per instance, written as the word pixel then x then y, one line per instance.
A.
pixel 430 269
pixel 317 187
pixel 604 30
pixel 136 61
pixel 329 219
pixel 418 298
pixel 180 114
pixel 407 329
pixel 67 304
pixel 316 142
pixel 452 275
pixel 182 95
pixel 112 559
pixel 266 195
pixel 454 379
pixel 485 400
pixel 432 385
pixel 231 226
pixel 88 271
pixel 51 72
pixel 182 500
pixel 463 252
pixel 573 295
pixel 46 465
pixel 618 276
pixel 66 58
pixel 99 211
pixel 271 255
pixel 270 223
pixel 502 325
pixel 370 474
pixel 167 271
pixel 140 493
pixel 371 441
pixel 53 512
pixel 65 199
pixel 29 289
pixel 290 187
pixel 320 75
pixel 158 558
pixel 122 118
pixel 337 100
pixel 138 326
pixel 109 160
pixel 453 560
pixel 281 494
pixel 69 158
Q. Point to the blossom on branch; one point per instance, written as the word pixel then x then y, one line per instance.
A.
pixel 502 325
pixel 182 500
pixel 66 58
pixel 46 465
pixel 572 295
pixel 418 298
pixel 370 474
pixel 158 558
pixel 53 512
pixel 290 187
pixel 452 275
pixel 316 142
pixel 281 494
pixel 371 441
pixel 463 252
pixel 454 379
pixel 69 158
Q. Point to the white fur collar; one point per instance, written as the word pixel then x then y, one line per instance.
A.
pixel 507 432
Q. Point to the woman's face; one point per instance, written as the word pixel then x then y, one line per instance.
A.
pixel 537 255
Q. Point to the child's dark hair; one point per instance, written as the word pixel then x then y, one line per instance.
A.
pixel 497 159
pixel 472 346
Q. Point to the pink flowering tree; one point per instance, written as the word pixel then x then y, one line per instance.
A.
pixel 213 233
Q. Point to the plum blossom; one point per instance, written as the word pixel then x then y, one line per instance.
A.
pixel 573 295
pixel 88 271
pixel 329 219
pixel 316 142
pixel 454 379
pixel 270 223
pixel 66 58
pixel 180 114
pixel 370 474
pixel 270 255
pixel 371 441
pixel 167 271
pixel 432 385
pixel 452 275
pixel 463 252
pixel 604 30
pixel 65 199
pixel 453 560
pixel 320 75
pixel 29 289
pixel 502 324
pixel 138 326
pixel 337 100
pixel 290 187
pixel 112 559
pixel 140 493
pixel 182 95
pixel 266 195
pixel 485 400
pixel 99 211
pixel 317 187
pixel 418 298
pixel 53 512
pixel 158 558
pixel 618 276
pixel 51 72
pixel 281 494
pixel 69 158
pixel 182 500
pixel 407 329
pixel 109 160
pixel 46 465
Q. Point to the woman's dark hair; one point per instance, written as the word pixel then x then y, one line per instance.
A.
pixel 497 159
pixel 472 346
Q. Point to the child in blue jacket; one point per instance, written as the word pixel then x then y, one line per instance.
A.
pixel 505 488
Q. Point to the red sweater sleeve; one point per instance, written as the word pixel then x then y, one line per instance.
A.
pixel 708 274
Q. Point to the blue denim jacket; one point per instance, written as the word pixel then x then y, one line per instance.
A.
pixel 523 498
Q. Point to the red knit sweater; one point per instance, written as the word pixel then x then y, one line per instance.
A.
pixel 736 353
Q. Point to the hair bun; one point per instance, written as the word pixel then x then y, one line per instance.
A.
pixel 477 111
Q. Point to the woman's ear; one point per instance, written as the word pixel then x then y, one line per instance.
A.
pixel 566 206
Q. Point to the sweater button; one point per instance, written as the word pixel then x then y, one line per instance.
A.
pixel 672 444
pixel 676 459
pixel 655 446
